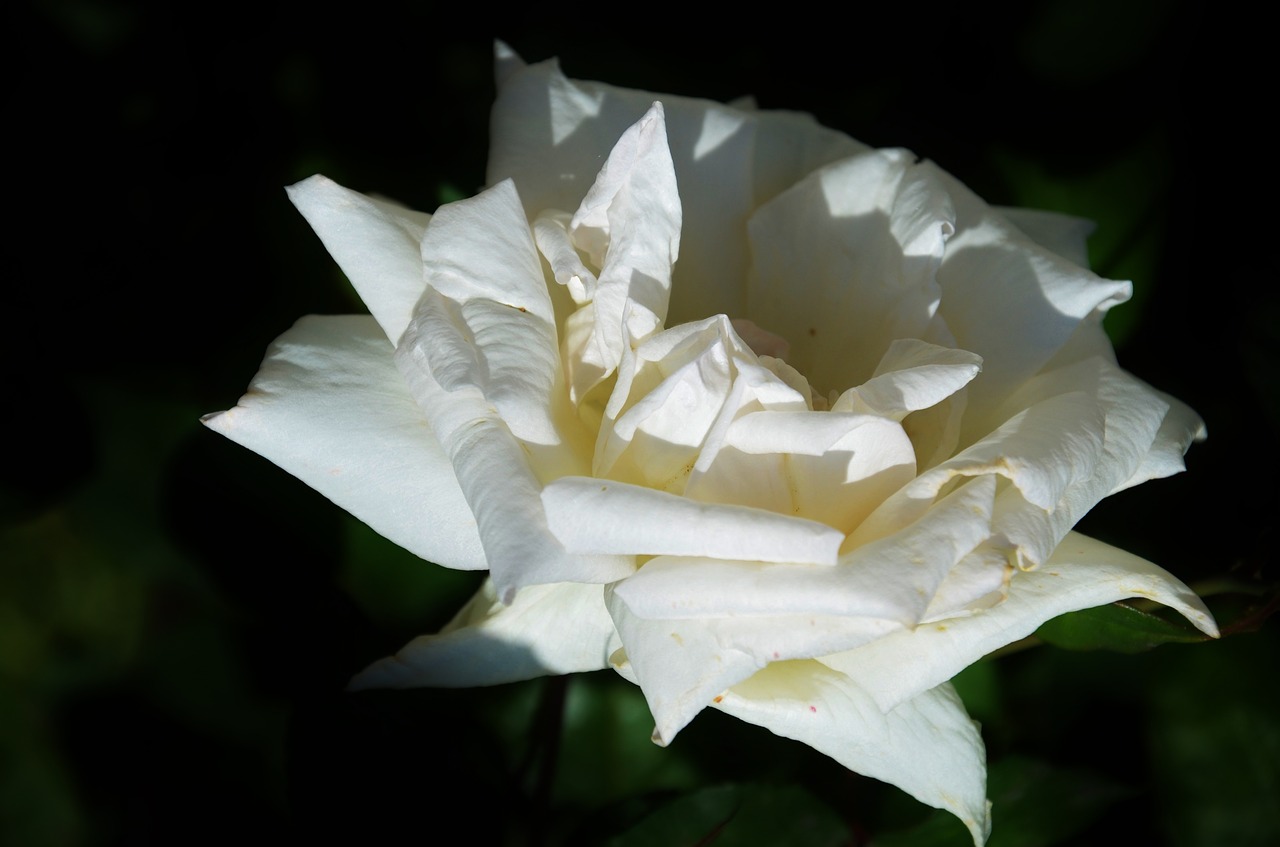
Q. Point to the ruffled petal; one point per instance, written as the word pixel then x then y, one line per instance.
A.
pixel 329 406
pixel 491 327
pixel 495 475
pixel 629 225
pixel 1075 434
pixel 927 746
pixel 1180 427
pixel 669 396
pixel 481 358
pixel 1010 300
pixel 1095 464
pixel 550 133
pixel 912 375
pixel 1081 574
pixel 375 242
pixel 546 630
pixel 675 397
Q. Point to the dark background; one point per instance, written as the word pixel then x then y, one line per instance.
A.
pixel 178 617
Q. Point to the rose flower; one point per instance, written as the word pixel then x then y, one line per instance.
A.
pixel 762 418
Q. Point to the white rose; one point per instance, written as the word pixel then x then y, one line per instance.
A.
pixel 805 474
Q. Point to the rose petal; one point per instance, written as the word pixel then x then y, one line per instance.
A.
pixel 927 746
pixel 978 581
pixel 681 664
pixel 550 133
pixel 547 629
pixel 481 358
pixel 591 515
pixel 671 392
pixel 832 467
pixel 1082 431
pixel 893 578
pixel 858 243
pixel 1010 300
pixel 495 474
pixel 1081 574
pixel 629 224
pixel 329 406
pixel 551 234
pixel 1043 450
pixel 375 242
pixel 674 399
pixel 491 326
pixel 912 375
pixel 1132 415
pixel 935 431
pixel 1179 428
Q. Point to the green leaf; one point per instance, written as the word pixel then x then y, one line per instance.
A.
pixel 1119 627
pixel 740 816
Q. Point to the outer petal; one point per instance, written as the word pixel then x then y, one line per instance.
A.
pixel 1082 573
pixel 693 627
pixel 330 407
pixel 1180 427
pixel 683 663
pixel 1074 434
pixel 547 629
pixel 374 242
pixel 927 746
pixel 1010 300
pixel 1107 423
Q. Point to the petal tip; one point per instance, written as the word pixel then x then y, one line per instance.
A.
pixel 657 738
pixel 219 422
pixel 387 672
pixel 506 62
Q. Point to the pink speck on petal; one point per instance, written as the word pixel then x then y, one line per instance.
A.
pixel 813 709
